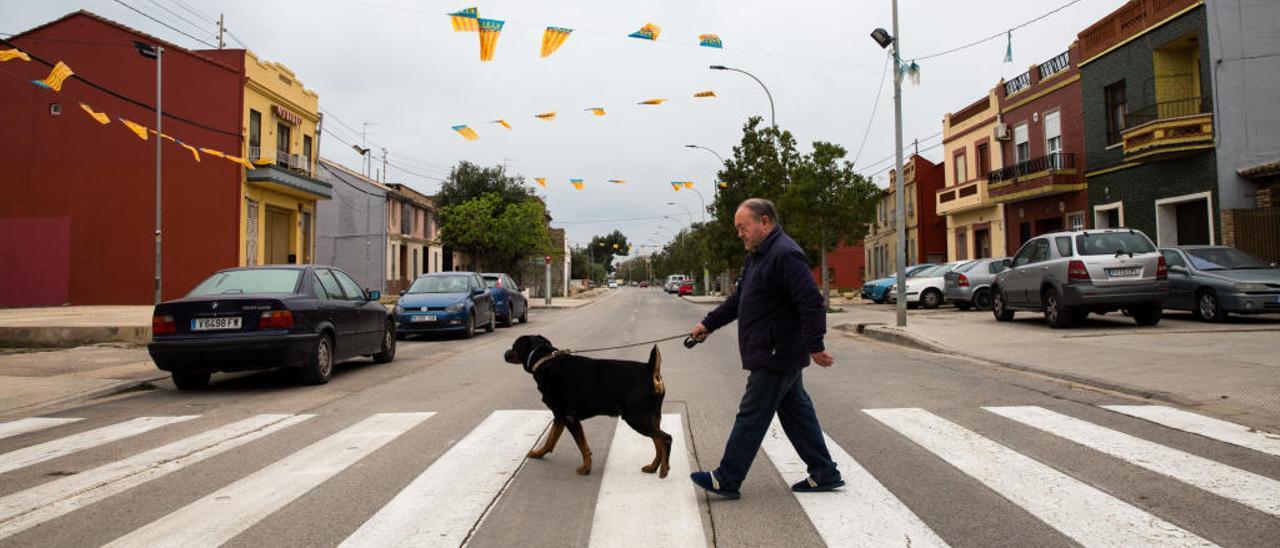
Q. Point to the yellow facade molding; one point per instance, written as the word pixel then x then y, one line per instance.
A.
pixel 1023 101
pixel 1173 149
pixel 1047 189
pixel 1138 35
pixel 1112 169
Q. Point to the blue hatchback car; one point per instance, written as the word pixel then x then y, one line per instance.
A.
pixel 877 291
pixel 510 304
pixel 445 302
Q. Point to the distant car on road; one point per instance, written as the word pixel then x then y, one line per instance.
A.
pixel 924 287
pixel 877 291
pixel 299 316
pixel 644 284
pixel 446 302
pixel 687 287
pixel 1067 275
pixel 673 283
pixel 969 285
pixel 1213 281
pixel 510 304
pixel 613 284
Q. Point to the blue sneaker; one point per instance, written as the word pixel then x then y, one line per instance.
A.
pixel 707 480
pixel 807 485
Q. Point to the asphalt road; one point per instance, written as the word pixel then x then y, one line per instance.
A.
pixel 429 450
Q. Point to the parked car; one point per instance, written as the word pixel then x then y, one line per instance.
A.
pixel 1067 275
pixel 644 284
pixel 1212 281
pixel 239 319
pixel 613 284
pixel 673 283
pixel 924 288
pixel 446 302
pixel 508 302
pixel 687 287
pixel 877 291
pixel 969 285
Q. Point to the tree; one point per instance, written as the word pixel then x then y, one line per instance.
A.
pixel 468 181
pixel 604 248
pixel 497 237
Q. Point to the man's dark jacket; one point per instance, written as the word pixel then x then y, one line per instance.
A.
pixel 780 312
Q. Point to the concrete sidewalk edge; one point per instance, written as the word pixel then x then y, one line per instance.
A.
pixel 70 337
pixel 118 387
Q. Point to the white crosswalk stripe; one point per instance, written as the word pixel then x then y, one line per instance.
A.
pixel 23 510
pixel 443 504
pixel 1082 512
pixel 1233 483
pixel 227 512
pixel 30 424
pixel 1220 430
pixel 862 513
pixel 28 456
pixel 626 494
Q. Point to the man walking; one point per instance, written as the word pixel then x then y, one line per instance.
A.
pixel 781 322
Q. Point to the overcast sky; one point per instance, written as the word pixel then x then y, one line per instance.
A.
pixel 398 65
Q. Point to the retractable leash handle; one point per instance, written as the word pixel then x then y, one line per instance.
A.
pixel 690 342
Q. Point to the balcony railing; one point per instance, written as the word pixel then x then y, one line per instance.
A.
pixel 1177 108
pixel 255 153
pixel 282 158
pixel 1047 163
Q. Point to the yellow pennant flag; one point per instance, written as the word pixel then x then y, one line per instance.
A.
pixel 675 185
pixel 8 54
pixel 212 152
pixel 55 78
pixel 707 93
pixel 688 184
pixel 577 183
pixel 100 117
pixel 553 38
pixel 649 32
pixel 247 164
pixel 541 181
pixel 548 116
pixel 163 136
pixel 465 20
pixel 502 123
pixel 194 154
pixel 137 129
pixel 653 102
pixel 618 181
pixel 722 184
pixel 596 111
pixel 468 133
pixel 489 31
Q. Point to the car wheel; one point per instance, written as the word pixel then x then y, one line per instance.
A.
pixel 190 381
pixel 1148 314
pixel 388 352
pixel 1208 307
pixel 471 326
pixel 509 318
pixel 493 321
pixel 318 370
pixel 999 307
pixel 982 299
pixel 932 298
pixel 524 313
pixel 1056 314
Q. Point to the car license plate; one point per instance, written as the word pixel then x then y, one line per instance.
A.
pixel 1131 272
pixel 215 324
pixel 424 318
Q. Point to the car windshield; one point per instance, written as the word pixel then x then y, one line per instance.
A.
pixel 256 280
pixel 1113 243
pixel 932 272
pixel 966 266
pixel 440 284
pixel 492 281
pixel 1223 258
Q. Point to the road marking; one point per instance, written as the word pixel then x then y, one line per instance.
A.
pixel 447 500
pixel 1077 510
pixel 1220 430
pixel 26 509
pixel 1239 485
pixel 862 513
pixel 227 512
pixel 631 502
pixel 28 456
pixel 30 424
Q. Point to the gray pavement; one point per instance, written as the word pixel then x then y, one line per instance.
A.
pixel 440 472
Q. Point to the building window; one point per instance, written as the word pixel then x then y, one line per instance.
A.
pixel 415 262
pixel 250 232
pixel 306 237
pixel 406 219
pixel 1053 139
pixel 1075 221
pixel 983 160
pixel 1021 144
pixel 306 153
pixel 282 144
pixel 961 169
pixel 255 134
pixel 1114 95
pixel 962 245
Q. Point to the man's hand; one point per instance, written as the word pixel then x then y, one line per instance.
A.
pixel 821 358
pixel 699 332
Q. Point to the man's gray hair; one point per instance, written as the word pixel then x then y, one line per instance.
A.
pixel 761 207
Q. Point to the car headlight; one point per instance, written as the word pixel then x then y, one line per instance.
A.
pixel 456 307
pixel 1251 287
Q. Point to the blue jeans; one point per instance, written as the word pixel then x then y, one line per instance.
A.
pixel 770 392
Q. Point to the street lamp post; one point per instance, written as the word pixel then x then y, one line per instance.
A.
pixel 773 120
pixel 715 189
pixel 885 40
pixel 156 52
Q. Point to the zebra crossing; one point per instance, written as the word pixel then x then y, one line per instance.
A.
pixel 451 497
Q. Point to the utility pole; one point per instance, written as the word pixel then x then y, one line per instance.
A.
pixel 548 278
pixel 159 176
pixel 384 164
pixel 897 150
pixel 222 28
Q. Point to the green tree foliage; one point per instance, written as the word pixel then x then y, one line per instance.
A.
pixel 604 248
pixel 498 235
pixel 468 181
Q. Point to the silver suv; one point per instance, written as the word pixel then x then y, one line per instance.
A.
pixel 1067 275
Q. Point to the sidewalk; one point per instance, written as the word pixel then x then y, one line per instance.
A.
pixel 69 326
pixel 31 380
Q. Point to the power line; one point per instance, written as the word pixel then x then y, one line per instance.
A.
pixel 998 34
pixel 166 25
pixel 874 107
pixel 175 14
pixel 872 166
pixel 194 11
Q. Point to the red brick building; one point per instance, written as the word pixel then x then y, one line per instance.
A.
pixel 847 265
pixel 1041 133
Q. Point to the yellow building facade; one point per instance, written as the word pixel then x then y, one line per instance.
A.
pixel 975 224
pixel 278 197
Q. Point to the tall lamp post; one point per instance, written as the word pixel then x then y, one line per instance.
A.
pixel 886 40
pixel 156 52
pixel 716 189
pixel 773 119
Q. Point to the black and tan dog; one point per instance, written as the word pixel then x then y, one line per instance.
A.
pixel 577 388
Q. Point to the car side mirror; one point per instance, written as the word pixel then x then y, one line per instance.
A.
pixel 375 295
pixel 478 291
pixel 1007 263
pixel 402 292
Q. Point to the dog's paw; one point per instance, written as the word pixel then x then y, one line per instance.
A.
pixel 584 470
pixel 649 468
pixel 662 474
pixel 536 454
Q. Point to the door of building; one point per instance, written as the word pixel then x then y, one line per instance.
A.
pixel 981 243
pixel 1193 222
pixel 277 236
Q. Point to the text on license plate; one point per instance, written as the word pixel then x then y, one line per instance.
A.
pixel 1130 272
pixel 424 318
pixel 213 324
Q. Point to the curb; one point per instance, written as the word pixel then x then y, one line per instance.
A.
pixel 883 333
pixel 120 387
pixel 70 337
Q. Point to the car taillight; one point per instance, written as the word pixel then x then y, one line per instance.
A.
pixel 163 325
pixel 1076 272
pixel 963 281
pixel 1162 269
pixel 276 319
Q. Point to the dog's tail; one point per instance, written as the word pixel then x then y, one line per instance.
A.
pixel 655 364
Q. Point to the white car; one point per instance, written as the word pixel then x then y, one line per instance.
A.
pixel 613 284
pixel 926 287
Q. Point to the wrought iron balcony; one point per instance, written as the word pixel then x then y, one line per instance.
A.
pixel 1045 164
pixel 1049 174
pixel 1168 129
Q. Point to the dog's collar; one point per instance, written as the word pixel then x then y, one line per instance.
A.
pixel 533 367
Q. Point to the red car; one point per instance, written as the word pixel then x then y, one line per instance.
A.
pixel 686 288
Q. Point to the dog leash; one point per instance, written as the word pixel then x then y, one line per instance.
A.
pixel 689 342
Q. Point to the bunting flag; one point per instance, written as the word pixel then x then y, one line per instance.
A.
pixel 8 54
pixel 676 185
pixel 466 132
pixel 688 184
pixel 710 41
pixel 238 160
pixel 212 152
pixel 548 116
pixel 722 184
pixel 194 154
pixel 264 161
pixel 541 181
pixel 553 38
pixel 162 136
pixel 99 116
pixel 465 20
pixel 137 129
pixel 707 93
pixel 489 31
pixel 598 111
pixel 618 181
pixel 652 102
pixel 577 183
pixel 55 78
pixel 649 32
pixel 502 123
pixel 1008 52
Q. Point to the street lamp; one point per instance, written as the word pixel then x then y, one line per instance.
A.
pixel 715 189
pixel 686 210
pixel 885 40
pixel 156 52
pixel 773 120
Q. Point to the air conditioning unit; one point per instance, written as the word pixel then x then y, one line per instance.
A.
pixel 1002 132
